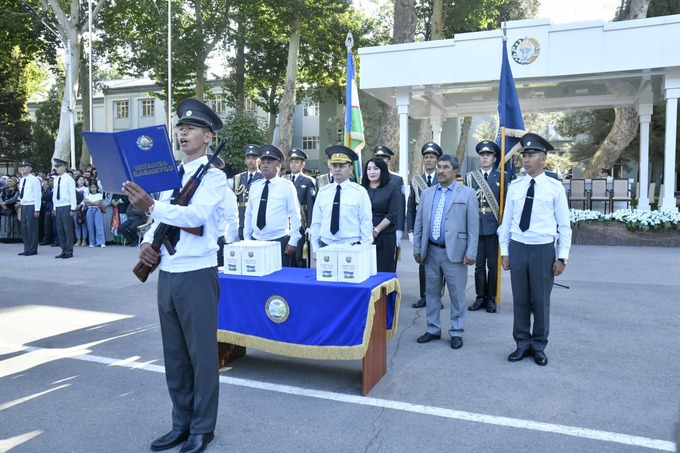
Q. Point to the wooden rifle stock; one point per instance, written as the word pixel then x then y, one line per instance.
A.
pixel 164 232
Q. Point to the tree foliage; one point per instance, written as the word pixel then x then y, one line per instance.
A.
pixel 241 128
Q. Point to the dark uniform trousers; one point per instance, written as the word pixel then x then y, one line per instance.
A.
pixel 532 279
pixel 487 257
pixel 300 259
pixel 187 307
pixel 65 228
pixel 29 229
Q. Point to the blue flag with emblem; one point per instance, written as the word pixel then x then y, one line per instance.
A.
pixel 354 124
pixel 509 114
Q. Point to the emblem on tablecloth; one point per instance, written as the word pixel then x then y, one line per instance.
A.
pixel 277 309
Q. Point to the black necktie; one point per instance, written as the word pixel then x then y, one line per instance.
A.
pixel 486 176
pixel 23 185
pixel 528 203
pixel 292 179
pixel 429 180
pixel 330 178
pixel 262 212
pixel 175 193
pixel 59 188
pixel 250 178
pixel 335 216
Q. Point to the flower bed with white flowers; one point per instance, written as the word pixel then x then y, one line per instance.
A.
pixel 626 227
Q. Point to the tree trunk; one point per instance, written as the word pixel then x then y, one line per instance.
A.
pixel 638 9
pixel 240 74
pixel 464 135
pixel 62 144
pixel 624 130
pixel 287 107
pixel 403 32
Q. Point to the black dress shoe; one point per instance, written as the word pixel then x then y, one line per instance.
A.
pixel 169 440
pixel 491 307
pixel 54 244
pixel 30 253
pixel 540 358
pixel 196 443
pixel 518 355
pixel 21 254
pixel 427 337
pixel 479 303
pixel 67 256
pixel 60 255
pixel 456 342
pixel 419 304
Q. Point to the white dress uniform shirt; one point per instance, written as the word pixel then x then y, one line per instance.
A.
pixel 32 191
pixel 549 215
pixel 206 209
pixel 229 226
pixel 356 217
pixel 283 211
pixel 65 186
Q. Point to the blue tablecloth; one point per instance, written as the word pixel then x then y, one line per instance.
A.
pixel 290 313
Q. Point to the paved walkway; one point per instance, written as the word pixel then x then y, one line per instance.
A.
pixel 81 368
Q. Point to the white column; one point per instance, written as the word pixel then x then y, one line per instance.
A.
pixel 645 115
pixel 436 121
pixel 403 101
pixel 672 92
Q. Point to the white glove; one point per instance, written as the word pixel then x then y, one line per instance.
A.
pixel 399 235
pixel 410 238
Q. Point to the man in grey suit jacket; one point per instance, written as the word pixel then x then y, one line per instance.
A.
pixel 445 239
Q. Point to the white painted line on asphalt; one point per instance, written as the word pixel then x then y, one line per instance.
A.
pixel 605 436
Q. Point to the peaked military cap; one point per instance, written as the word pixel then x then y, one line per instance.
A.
pixel 59 162
pixel 26 163
pixel 271 152
pixel 193 111
pixel 339 154
pixel 431 147
pixel 534 143
pixel 297 153
pixel 382 150
pixel 487 146
pixel 251 150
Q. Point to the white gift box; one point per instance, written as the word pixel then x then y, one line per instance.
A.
pixel 256 258
pixel 327 264
pixel 345 263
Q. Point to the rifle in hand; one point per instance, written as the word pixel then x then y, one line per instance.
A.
pixel 165 233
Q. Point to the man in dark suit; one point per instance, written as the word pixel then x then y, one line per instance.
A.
pixel 306 192
pixel 535 223
pixel 431 152
pixel 487 184
pixel 445 239
pixel 242 181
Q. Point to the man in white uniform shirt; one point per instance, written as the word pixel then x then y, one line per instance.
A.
pixel 64 206
pixel 273 211
pixel 30 194
pixel 536 214
pixel 342 210
pixel 188 287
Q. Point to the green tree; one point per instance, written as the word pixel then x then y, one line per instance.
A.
pixel 241 128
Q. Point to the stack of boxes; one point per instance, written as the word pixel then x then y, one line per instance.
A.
pixel 255 258
pixel 345 263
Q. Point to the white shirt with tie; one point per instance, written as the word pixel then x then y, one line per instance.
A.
pixel 64 192
pixel 283 211
pixel 30 191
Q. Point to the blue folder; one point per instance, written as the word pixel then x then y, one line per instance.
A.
pixel 143 156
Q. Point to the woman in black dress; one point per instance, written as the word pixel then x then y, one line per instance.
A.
pixel 386 201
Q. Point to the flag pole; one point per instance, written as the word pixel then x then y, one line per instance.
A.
pixel 501 205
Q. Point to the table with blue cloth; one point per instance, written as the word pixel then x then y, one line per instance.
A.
pixel 289 313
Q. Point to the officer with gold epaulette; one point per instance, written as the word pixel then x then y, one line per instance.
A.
pixel 327 178
pixel 242 181
pixel 306 192
pixel 486 181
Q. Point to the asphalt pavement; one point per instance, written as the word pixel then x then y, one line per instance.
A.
pixel 81 368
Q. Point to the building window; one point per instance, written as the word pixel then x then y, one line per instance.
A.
pixel 148 107
pixel 310 142
pixel 79 116
pixel 341 136
pixel 251 106
pixel 311 108
pixel 218 103
pixel 122 109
